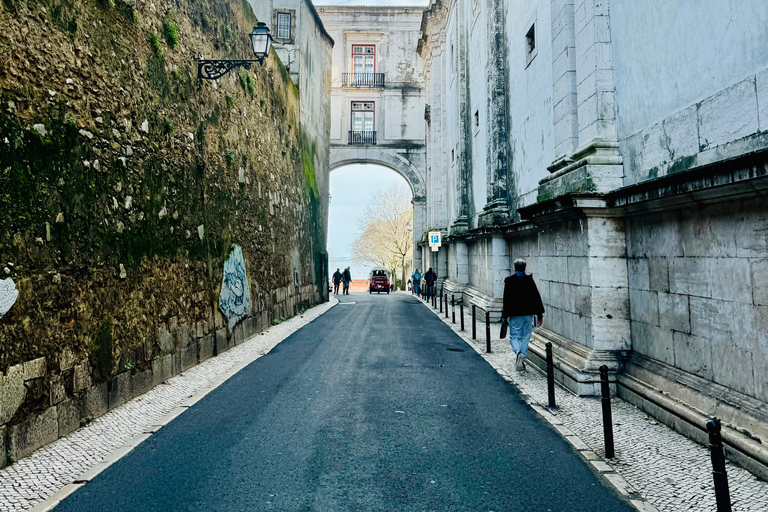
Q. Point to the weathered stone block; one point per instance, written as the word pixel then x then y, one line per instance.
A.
pixel 33 433
pixel 68 417
pixel 81 377
pixel 162 369
pixel 165 339
pixel 708 315
pixel 221 340
pixel 762 99
pixel 689 276
pixel 728 115
pixel 96 401
pixel 238 334
pixel 608 272
pixel 658 274
pixel 57 392
pixel 188 357
pixel 3 448
pixel 708 232
pixel 12 392
pixel 35 369
pixel 693 354
pixel 674 312
pixel 731 279
pixel 66 359
pixel 205 347
pixel 759 271
pixel 732 366
pixel 638 273
pixel 120 391
pixel 141 383
pixel 606 237
pixel 644 306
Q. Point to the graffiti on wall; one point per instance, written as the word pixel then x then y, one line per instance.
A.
pixel 235 296
pixel 8 295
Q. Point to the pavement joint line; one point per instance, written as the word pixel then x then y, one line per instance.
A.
pixel 614 479
pixel 284 330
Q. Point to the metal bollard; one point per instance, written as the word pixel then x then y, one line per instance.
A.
pixel 550 376
pixel 434 299
pixel 474 324
pixel 461 312
pixel 722 493
pixel 605 389
pixel 446 305
pixel 487 332
pixel 453 309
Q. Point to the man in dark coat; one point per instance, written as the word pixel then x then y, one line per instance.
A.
pixel 522 308
pixel 430 277
pixel 347 277
pixel 336 281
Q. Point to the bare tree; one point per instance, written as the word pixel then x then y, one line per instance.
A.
pixel 386 239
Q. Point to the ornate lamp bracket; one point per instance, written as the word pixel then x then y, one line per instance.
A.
pixel 214 69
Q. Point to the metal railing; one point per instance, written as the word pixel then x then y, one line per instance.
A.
pixel 363 80
pixel 362 138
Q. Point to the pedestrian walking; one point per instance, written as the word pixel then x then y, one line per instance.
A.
pixel 523 310
pixel 430 277
pixel 408 285
pixel 336 281
pixel 416 276
pixel 346 276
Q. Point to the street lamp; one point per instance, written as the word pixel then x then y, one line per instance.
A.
pixel 213 69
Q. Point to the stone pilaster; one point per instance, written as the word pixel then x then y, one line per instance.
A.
pixel 564 97
pixel 496 210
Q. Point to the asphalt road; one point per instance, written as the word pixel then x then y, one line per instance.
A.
pixel 375 406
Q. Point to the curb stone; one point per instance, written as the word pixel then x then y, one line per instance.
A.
pixel 598 464
pixel 56 498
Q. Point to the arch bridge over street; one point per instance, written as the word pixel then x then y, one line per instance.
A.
pixel 377 96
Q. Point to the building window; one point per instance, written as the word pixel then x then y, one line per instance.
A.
pixel 530 44
pixel 283 25
pixel 363 59
pixel 363 116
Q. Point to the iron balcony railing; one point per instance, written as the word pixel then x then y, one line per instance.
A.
pixel 363 80
pixel 362 138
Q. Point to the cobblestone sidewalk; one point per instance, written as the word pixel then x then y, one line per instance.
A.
pixel 671 472
pixel 33 479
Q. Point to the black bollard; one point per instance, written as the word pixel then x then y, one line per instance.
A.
pixel 550 376
pixel 441 300
pixel 453 309
pixel 487 332
pixel 461 312
pixel 722 494
pixel 474 324
pixel 605 389
pixel 446 305
pixel 434 299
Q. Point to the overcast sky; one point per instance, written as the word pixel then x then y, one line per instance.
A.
pixel 351 189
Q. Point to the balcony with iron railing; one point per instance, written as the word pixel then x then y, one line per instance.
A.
pixel 363 80
pixel 357 138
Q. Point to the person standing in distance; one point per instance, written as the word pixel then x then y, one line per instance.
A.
pixel 347 278
pixel 336 281
pixel 523 309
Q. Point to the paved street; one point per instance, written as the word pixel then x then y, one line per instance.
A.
pixel 377 405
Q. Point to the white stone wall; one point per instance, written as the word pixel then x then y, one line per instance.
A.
pixel 697 288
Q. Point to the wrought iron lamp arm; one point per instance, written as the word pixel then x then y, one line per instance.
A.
pixel 209 69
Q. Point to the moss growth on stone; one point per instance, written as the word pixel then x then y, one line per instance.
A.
pixel 171 32
pixel 154 43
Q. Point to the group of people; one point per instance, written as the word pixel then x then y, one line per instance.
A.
pixel 339 278
pixel 430 278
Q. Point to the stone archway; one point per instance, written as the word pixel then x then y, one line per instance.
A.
pixel 409 163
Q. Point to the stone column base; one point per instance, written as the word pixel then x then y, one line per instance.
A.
pixel 577 367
